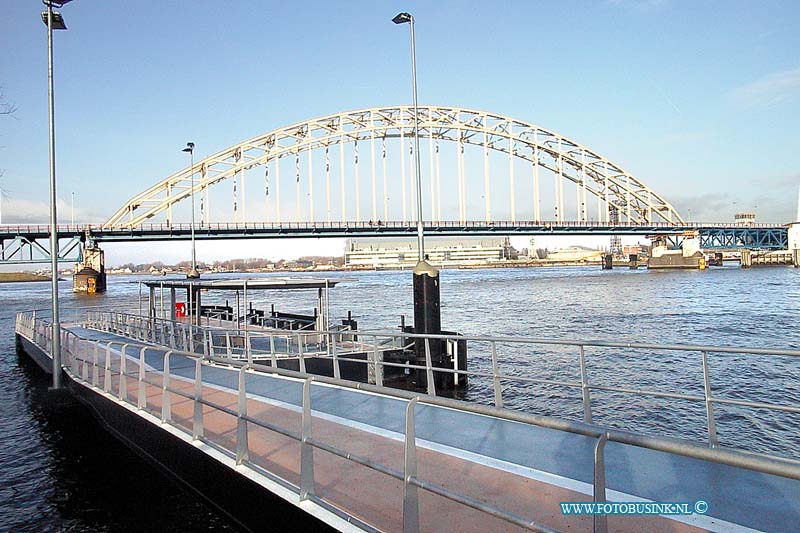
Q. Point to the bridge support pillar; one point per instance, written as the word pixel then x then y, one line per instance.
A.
pixel 90 273
pixel 427 311
pixel 608 262
pixel 428 320
pixel 794 240
pixel 746 260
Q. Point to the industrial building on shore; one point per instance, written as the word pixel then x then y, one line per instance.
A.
pixel 397 253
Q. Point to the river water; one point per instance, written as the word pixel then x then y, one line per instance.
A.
pixel 59 470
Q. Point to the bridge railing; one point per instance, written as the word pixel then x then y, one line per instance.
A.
pixel 502 364
pixel 117 369
pixel 78 229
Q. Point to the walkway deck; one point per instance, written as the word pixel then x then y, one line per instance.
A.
pixel 523 469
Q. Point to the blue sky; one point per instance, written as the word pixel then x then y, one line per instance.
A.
pixel 700 100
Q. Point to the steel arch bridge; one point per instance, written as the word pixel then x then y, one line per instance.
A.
pixel 343 195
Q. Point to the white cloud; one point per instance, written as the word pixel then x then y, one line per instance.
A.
pixel 769 90
pixel 23 211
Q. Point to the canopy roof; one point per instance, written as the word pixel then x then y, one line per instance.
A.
pixel 239 284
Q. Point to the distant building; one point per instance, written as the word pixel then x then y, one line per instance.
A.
pixel 403 253
pixel 637 249
pixel 575 253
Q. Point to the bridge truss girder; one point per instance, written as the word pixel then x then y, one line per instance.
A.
pixel 744 239
pixel 35 249
pixel 613 187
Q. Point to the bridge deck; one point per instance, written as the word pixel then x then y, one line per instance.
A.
pixel 523 469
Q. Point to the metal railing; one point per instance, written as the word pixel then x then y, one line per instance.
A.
pixel 34 229
pixel 238 344
pixel 86 360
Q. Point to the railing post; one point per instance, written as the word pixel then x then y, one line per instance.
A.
pixel 306 449
pixel 74 361
pixel 337 371
pixel 95 363
pixel 197 426
pixel 166 408
pixel 247 347
pixel 429 368
pixel 123 379
pixel 273 357
pixel 172 343
pixel 498 389
pixel 712 426
pixel 410 496
pixel 85 368
pixel 599 491
pixel 378 364
pixel 242 447
pixel 107 373
pixel 587 400
pixel 300 352
pixel 228 344
pixel 141 400
pixel 210 340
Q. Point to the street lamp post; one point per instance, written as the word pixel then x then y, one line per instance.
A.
pixel 193 273
pixel 53 21
pixel 402 18
pixel 427 309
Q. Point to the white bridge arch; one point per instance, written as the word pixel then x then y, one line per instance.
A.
pixel 620 197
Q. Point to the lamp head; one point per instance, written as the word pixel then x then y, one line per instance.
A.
pixel 56 3
pixel 58 20
pixel 189 148
pixel 402 18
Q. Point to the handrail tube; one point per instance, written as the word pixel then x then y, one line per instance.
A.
pixel 595 343
pixel 563 342
pixel 480 506
pixel 369 463
pixel 566 342
pixel 648 392
pixel 745 403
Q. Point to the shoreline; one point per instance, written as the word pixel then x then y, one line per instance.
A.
pixel 381 268
pixel 23 277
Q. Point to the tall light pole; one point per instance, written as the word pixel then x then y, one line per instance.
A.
pixel 402 18
pixel 193 273
pixel 72 208
pixel 53 21
pixel 427 308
